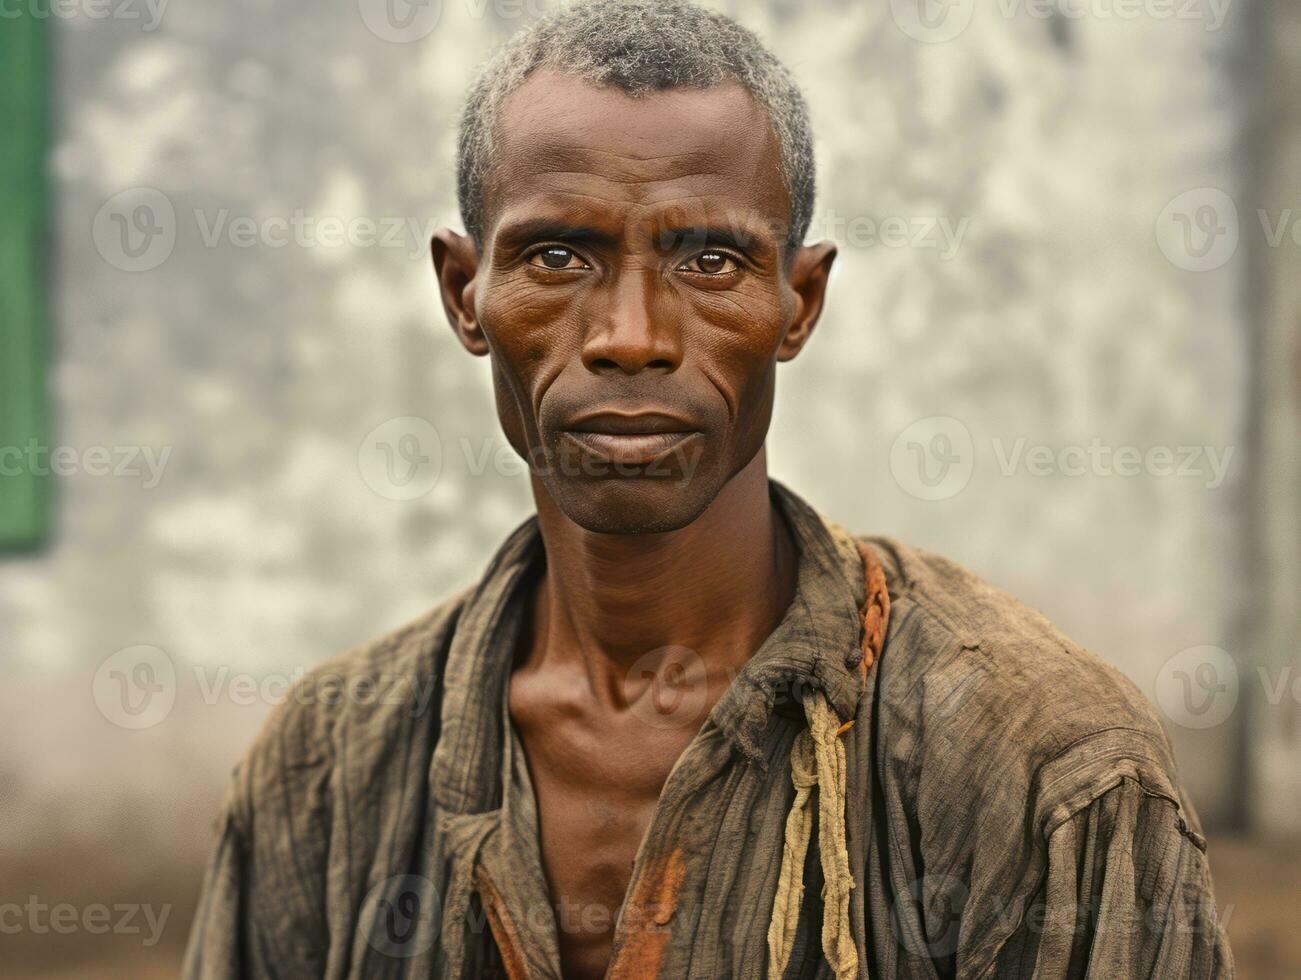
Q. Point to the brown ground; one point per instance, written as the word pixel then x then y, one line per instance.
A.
pixel 1258 890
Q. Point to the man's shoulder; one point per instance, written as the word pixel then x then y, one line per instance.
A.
pixel 356 704
pixel 987 694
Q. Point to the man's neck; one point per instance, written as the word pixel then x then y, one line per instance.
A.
pixel 717 586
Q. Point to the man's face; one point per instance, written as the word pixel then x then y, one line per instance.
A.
pixel 634 293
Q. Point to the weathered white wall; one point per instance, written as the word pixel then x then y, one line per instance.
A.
pixel 1062 319
pixel 1276 497
pixel 1062 315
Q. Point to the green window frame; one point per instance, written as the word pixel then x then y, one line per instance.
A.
pixel 24 495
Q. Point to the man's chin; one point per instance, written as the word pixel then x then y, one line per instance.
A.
pixel 631 505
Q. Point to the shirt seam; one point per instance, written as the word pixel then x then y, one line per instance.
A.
pixel 1195 839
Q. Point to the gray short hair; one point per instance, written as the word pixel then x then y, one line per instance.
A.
pixel 640 46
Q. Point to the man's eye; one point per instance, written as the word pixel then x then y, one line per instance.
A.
pixel 711 263
pixel 556 257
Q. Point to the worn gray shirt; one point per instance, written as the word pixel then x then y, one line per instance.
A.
pixel 1011 803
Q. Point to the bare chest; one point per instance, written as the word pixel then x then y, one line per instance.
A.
pixel 596 786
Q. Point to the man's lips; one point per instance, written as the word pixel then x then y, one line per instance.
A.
pixel 636 423
pixel 630 439
pixel 631 450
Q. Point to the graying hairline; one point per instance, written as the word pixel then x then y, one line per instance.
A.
pixel 499 79
pixel 484 180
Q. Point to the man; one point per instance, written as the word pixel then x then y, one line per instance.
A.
pixel 683 727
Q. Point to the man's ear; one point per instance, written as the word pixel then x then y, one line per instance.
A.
pixel 809 271
pixel 456 261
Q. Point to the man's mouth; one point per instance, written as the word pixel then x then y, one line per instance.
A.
pixel 630 439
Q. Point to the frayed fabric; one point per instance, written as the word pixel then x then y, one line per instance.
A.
pixel 818 762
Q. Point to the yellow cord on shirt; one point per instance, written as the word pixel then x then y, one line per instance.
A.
pixel 818 759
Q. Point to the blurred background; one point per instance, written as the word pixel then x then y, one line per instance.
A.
pixel 237 436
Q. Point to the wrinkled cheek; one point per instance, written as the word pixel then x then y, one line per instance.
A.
pixel 519 352
pixel 744 369
pixel 755 410
pixel 512 407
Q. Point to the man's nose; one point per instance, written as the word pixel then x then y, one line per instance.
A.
pixel 634 331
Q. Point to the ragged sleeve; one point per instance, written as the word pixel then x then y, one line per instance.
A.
pixel 261 911
pixel 1126 893
pixel 215 950
pixel 320 799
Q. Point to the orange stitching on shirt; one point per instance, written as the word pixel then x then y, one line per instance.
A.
pixel 646 914
pixel 503 928
pixel 876 608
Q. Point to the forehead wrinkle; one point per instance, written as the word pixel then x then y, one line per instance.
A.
pixel 646 196
pixel 684 170
pixel 594 210
pixel 555 110
pixel 551 143
pixel 571 128
pixel 563 156
pixel 712 206
pixel 719 151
